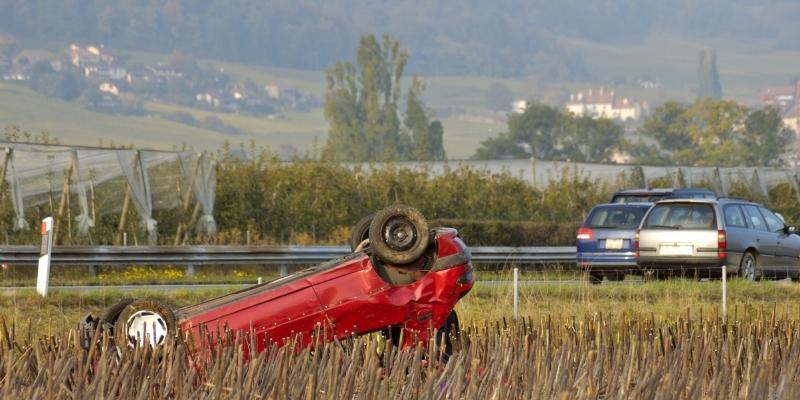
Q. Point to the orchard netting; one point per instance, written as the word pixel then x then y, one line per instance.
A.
pixel 46 179
pixel 540 173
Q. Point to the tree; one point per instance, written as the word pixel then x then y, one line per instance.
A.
pixel 590 140
pixel 716 86
pixel 713 132
pixel 546 133
pixel 667 127
pixel 498 97
pixel 708 84
pixel 426 138
pixel 361 106
pixel 765 137
pixel 714 128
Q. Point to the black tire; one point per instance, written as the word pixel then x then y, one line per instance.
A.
pixel 615 276
pixel 399 235
pixel 748 267
pixel 164 319
pixel 447 335
pixel 594 277
pixel 111 314
pixel 360 231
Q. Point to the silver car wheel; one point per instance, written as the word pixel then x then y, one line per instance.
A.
pixel 146 327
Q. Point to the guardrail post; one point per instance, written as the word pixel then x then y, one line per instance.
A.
pixel 124 238
pixel 43 272
pixel 248 237
pixel 284 270
pixel 516 293
pixel 190 270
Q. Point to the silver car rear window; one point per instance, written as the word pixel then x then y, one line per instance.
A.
pixel 615 217
pixel 681 216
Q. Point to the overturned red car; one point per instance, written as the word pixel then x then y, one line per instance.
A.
pixel 400 278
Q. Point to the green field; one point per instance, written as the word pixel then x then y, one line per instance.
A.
pixel 664 300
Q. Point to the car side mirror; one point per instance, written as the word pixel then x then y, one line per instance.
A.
pixel 790 230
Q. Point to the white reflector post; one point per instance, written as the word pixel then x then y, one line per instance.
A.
pixel 43 275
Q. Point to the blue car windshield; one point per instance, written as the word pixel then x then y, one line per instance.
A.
pixel 620 217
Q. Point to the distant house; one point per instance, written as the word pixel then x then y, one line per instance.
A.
pixel 110 88
pixel 782 97
pixel 96 64
pixel 18 70
pixel 208 99
pixel 273 91
pixel 604 104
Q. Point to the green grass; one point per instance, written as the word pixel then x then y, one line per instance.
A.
pixel 665 299
pixel 70 123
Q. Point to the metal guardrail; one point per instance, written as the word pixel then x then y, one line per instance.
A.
pixel 277 255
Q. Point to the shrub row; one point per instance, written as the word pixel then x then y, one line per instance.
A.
pixel 512 233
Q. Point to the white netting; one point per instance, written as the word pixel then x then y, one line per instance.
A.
pixel 540 173
pixel 97 181
pixel 201 171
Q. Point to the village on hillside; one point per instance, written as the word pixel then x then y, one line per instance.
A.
pixel 108 83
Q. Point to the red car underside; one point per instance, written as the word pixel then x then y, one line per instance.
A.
pixel 344 297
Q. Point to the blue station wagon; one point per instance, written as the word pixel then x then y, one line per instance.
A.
pixel 605 240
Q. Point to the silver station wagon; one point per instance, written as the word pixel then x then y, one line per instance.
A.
pixel 698 236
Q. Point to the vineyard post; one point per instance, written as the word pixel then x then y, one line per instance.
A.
pixel 724 290
pixel 516 292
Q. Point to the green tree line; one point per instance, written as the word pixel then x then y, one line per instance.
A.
pixel 708 132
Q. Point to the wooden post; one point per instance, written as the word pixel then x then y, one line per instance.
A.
pixel 123 216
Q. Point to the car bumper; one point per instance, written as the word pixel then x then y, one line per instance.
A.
pixel 605 260
pixel 713 265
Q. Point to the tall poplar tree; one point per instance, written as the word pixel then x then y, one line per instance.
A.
pixel 361 106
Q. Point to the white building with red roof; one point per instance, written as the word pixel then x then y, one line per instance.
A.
pixel 604 104
pixel 782 97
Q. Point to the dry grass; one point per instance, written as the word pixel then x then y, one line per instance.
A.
pixel 630 356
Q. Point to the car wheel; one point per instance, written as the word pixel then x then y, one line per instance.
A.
pixel 399 235
pixel 111 314
pixel 145 322
pixel 447 336
pixel 749 267
pixel 594 277
pixel 615 276
pixel 360 232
